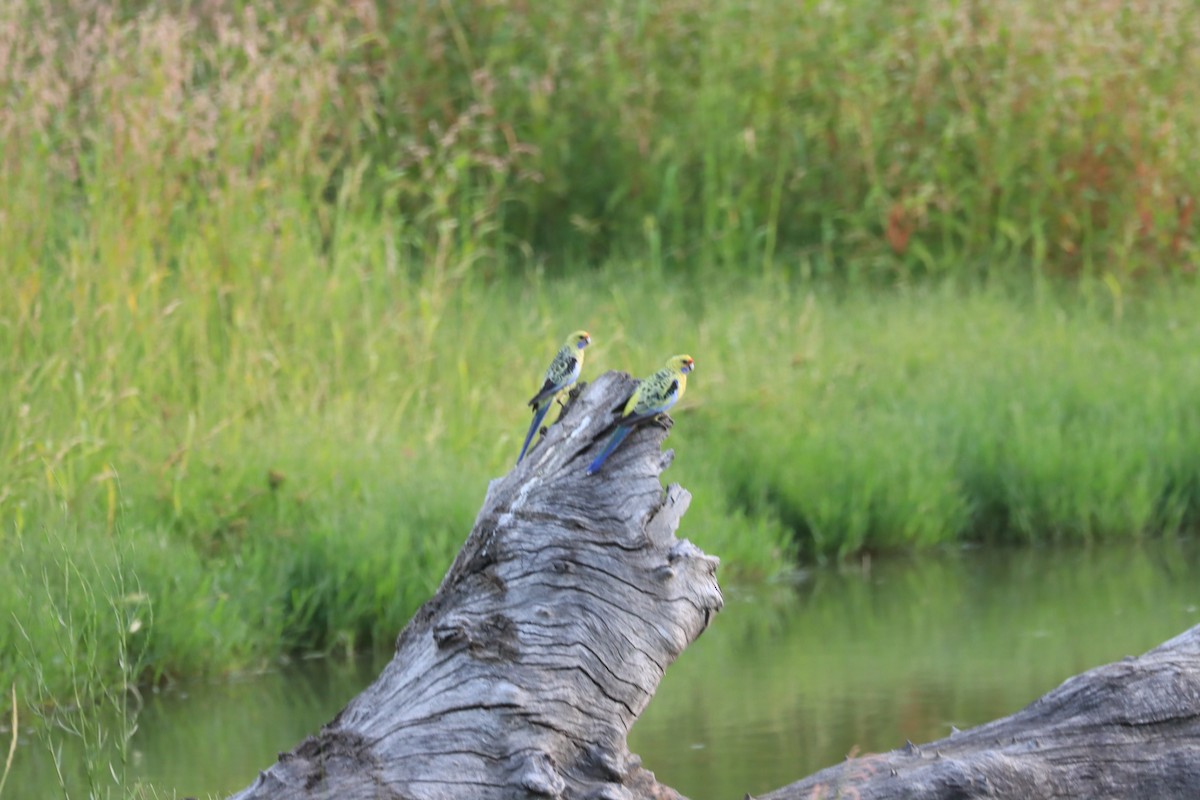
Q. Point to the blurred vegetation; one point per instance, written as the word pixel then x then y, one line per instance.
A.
pixel 269 283
pixel 890 139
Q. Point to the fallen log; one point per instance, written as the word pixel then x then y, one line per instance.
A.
pixel 1130 729
pixel 549 634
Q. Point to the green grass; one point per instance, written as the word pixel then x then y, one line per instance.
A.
pixel 937 415
pixel 274 290
pixel 292 512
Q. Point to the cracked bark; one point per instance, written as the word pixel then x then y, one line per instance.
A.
pixel 549 634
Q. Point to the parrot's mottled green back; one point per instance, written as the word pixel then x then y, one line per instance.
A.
pixel 563 371
pixel 660 391
pixel 653 396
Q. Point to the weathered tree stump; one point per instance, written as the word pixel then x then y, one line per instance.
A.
pixel 1125 730
pixel 548 636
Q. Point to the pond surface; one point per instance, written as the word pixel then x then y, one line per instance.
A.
pixel 790 677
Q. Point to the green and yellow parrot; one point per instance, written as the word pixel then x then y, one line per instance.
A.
pixel 653 396
pixel 563 371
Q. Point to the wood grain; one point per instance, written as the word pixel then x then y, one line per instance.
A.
pixel 549 634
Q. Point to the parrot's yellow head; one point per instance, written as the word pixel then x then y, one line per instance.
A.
pixel 681 363
pixel 579 340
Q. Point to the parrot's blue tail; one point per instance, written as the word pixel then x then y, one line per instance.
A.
pixel 617 437
pixel 538 416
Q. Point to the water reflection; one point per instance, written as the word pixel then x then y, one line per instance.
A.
pixel 790 678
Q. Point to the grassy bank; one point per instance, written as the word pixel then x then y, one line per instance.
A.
pixel 273 293
pixel 309 492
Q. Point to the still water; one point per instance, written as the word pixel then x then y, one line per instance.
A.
pixel 790 677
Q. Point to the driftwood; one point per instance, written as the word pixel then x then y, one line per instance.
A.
pixel 1130 729
pixel 548 636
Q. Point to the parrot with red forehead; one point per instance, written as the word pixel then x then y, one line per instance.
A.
pixel 654 395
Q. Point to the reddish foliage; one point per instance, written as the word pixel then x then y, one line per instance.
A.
pixel 899 228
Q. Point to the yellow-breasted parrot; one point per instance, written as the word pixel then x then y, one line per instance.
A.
pixel 563 371
pixel 653 396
